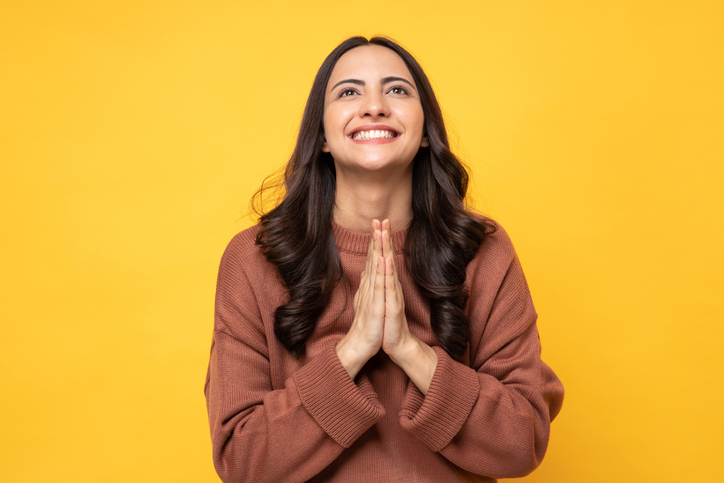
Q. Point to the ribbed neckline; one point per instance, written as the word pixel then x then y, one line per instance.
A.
pixel 358 242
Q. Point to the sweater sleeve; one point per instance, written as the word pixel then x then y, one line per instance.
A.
pixel 263 434
pixel 492 418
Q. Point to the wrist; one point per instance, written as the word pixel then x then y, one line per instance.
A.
pixel 351 358
pixel 407 352
pixel 419 362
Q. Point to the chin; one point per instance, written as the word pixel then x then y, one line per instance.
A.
pixel 382 166
pixel 381 163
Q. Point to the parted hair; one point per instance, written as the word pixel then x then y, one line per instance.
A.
pixel 296 235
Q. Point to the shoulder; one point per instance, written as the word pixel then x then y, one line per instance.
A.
pixel 497 245
pixel 244 286
pixel 499 293
pixel 243 254
pixel 243 243
pixel 495 255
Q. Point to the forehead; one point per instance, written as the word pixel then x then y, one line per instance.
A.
pixel 369 62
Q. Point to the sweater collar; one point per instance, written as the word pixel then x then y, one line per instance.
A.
pixel 358 242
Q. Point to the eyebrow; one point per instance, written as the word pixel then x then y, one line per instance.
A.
pixel 385 80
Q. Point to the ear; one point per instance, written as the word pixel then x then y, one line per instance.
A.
pixel 325 147
pixel 425 142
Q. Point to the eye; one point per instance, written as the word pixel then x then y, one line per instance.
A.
pixel 347 92
pixel 398 90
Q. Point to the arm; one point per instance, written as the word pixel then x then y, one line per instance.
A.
pixel 492 418
pixel 320 407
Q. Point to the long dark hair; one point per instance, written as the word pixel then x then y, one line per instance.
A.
pixel 296 236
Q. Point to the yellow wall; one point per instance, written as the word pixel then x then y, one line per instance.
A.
pixel 132 135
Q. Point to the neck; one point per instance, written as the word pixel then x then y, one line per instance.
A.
pixel 361 198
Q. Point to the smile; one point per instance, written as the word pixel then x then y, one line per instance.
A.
pixel 362 135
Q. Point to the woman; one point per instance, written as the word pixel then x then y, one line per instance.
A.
pixel 346 351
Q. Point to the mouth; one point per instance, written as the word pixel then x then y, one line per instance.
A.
pixel 364 133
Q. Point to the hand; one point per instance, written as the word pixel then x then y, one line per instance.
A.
pixel 379 317
pixel 364 338
pixel 397 336
pixel 416 358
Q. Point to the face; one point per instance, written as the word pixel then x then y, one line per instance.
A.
pixel 373 118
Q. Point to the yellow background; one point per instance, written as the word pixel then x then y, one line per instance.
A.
pixel 132 135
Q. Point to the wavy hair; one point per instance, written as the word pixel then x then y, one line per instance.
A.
pixel 296 236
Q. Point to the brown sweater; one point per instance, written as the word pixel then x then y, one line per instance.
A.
pixel 276 418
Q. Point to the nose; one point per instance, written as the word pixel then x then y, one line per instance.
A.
pixel 374 105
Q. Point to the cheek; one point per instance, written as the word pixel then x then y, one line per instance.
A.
pixel 420 117
pixel 325 122
pixel 414 119
pixel 327 114
pixel 331 125
pixel 335 121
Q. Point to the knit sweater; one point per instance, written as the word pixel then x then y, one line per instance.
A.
pixel 486 415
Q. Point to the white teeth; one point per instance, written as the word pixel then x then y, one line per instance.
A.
pixel 374 135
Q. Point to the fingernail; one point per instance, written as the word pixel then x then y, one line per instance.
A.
pixel 386 234
pixel 376 234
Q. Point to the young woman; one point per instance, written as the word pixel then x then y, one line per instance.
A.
pixel 370 328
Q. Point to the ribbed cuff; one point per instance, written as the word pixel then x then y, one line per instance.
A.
pixel 344 410
pixel 437 417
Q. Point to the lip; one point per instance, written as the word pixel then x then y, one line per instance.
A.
pixel 373 127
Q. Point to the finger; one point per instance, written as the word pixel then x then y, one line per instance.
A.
pixel 394 303
pixel 393 289
pixel 400 296
pixel 390 282
pixel 370 252
pixel 376 253
pixel 389 248
pixel 379 293
pixel 377 246
pixel 367 278
pixel 376 228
